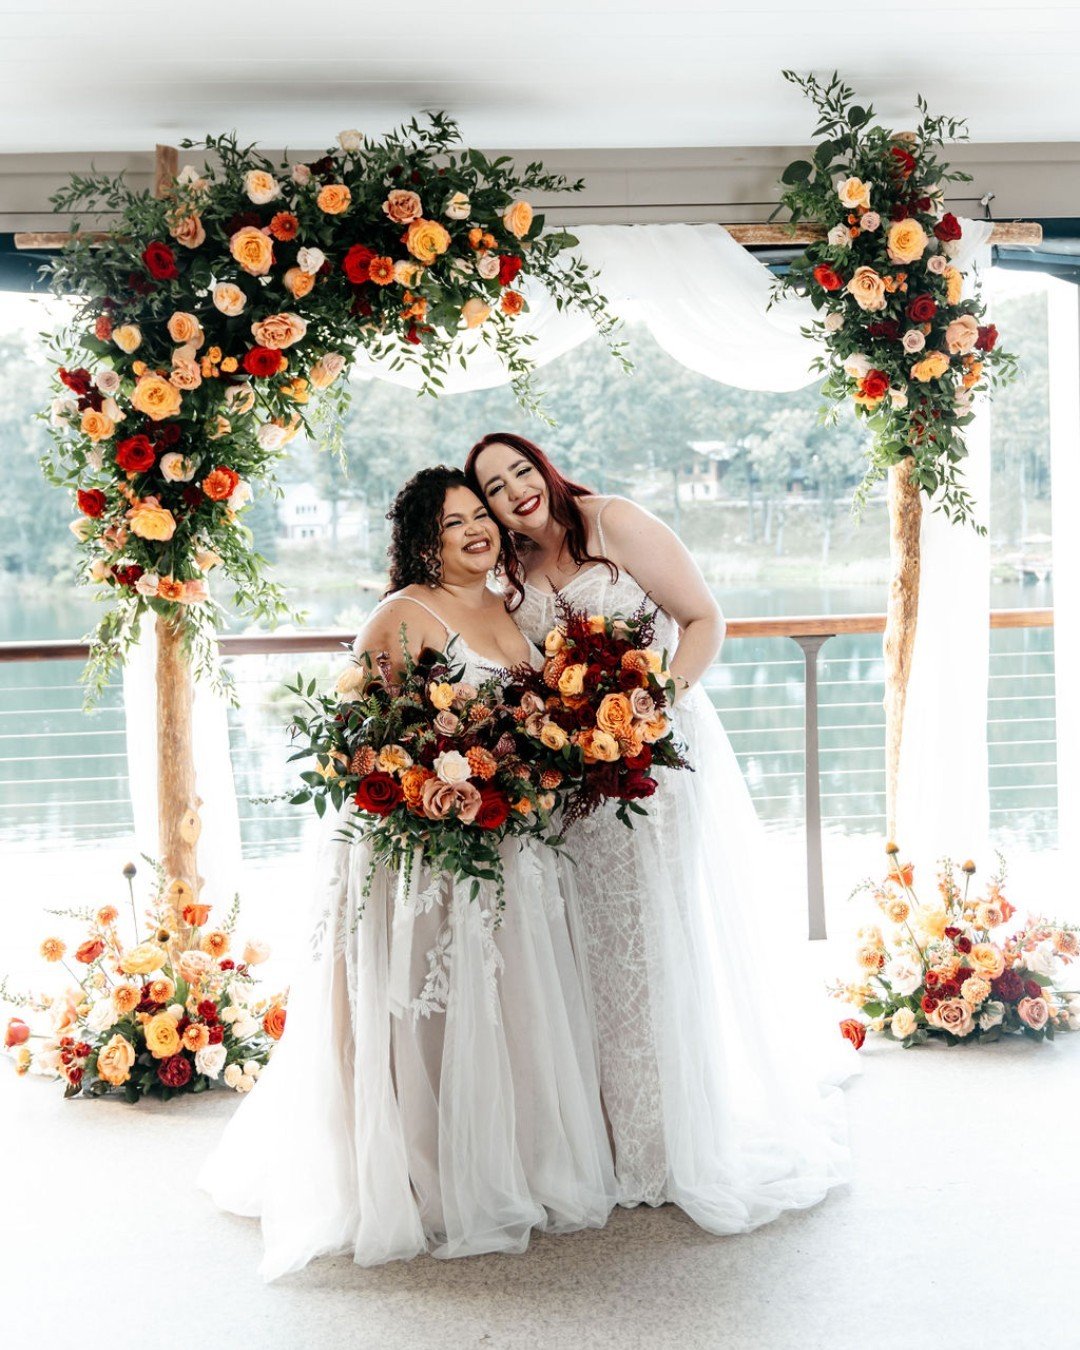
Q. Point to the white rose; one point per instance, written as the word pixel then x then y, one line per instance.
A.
pixel 452 767
pixel 245 1028
pixel 147 584
pixel 232 1075
pixel 461 267
pixel 857 366
pixel 61 410
pixel 991 1015
pixel 898 398
pixel 245 1083
pixel 230 1014
pixel 913 340
pixel 261 187
pixel 229 299
pixel 175 1010
pixel 350 141
pixel 177 468
pixel 839 236
pixel 210 1060
pixel 488 266
pixel 103 1015
pixel 1040 961
pixel 937 264
pixel 301 176
pixel 252 1067
pixel 904 974
pixel 255 953
pixel 95 458
pixel 962 400
pixel 458 207
pixel 310 260
pixel 108 381
pixel 99 570
pixel 241 495
pixel 903 1023
pixel 869 222
pixel 834 322
pixel 270 436
pixel 111 409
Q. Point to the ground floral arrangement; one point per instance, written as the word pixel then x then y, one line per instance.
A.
pixel 958 968
pixel 217 322
pixel 175 1010
pixel 441 769
pixel 903 345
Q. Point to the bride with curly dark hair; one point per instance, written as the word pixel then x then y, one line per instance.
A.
pixel 436 1087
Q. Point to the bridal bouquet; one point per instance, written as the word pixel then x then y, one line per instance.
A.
pixel 599 708
pixel 434 766
pixel 956 968
pixel 173 1011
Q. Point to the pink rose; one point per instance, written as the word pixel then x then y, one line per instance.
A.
pixel 1033 1012
pixel 962 335
pixel 464 692
pixel 447 723
pixel 440 799
pixel 531 703
pixel 953 1015
pixel 641 704
pixel 869 221
pixel 913 340
pixel 403 206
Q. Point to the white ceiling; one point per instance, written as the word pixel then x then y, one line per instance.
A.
pixel 121 75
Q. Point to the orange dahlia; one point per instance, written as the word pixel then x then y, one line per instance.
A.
pixel 482 762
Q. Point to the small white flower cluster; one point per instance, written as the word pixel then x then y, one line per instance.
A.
pixel 241 1077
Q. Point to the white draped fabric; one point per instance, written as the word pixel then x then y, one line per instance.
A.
pixel 706 301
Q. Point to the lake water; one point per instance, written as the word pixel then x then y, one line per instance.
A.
pixel 63 773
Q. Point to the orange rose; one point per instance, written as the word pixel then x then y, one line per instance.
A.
pixel 252 250
pixel 412 785
pixel 426 239
pixel 655 729
pixel 185 328
pixel 215 944
pixel 150 521
pixel 518 219
pixel 115 1061
pixel 475 312
pixel 188 230
pixel 96 425
pixel 155 398
pixel 274 1021
pixel 512 302
pixel 931 367
pixel 615 715
pixel 403 206
pixel 598 745
pixel 333 199
pixel 278 331
pixel 298 282
pixel 954 285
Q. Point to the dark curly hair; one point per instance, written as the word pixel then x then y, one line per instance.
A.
pixel 416 527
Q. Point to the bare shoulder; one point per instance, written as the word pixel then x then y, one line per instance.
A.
pixel 383 628
pixel 625 521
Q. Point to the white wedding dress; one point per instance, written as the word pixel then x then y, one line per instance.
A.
pixel 706 1069
pixel 436 1088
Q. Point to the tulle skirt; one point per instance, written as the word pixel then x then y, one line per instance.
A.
pixel 721 1093
pixel 436 1086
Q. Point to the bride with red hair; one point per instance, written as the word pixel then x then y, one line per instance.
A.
pixel 710 1100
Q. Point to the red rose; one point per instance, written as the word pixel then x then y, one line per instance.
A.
pixel 82 1049
pixel 854 1031
pixel 175 1072
pixel 1033 989
pixel 922 308
pixel 641 761
pixel 227 964
pixel 875 384
pixel 928 1003
pixel 494 809
pixel 160 261
pixel 903 161
pixel 509 267
pixel 78 381
pixel 963 944
pixel 951 989
pixel 355 263
pixel 826 278
pixel 139 284
pixel 166 433
pixel 987 339
pixel 948 228
pixel 17 1033
pixel 884 328
pixel 413 334
pixel 75 1076
pixel 922 203
pixel 90 951
pixel 217 1034
pixel 91 503
pixel 129 575
pixel 952 932
pixel 933 979
pixel 208 1010
pixel 379 793
pixel 262 362
pixel 636 784
pixel 135 454
pixel 899 212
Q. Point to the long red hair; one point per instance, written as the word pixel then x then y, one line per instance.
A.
pixel 563 493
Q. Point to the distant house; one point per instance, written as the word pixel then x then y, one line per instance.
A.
pixel 701 479
pixel 307 516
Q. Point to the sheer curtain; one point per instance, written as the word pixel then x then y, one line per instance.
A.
pixel 706 301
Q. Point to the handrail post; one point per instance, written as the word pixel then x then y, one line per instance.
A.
pixel 815 879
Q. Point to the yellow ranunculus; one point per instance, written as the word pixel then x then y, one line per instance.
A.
pixel 931 367
pixel 907 241
pixel 554 642
pixel 598 745
pixel 156 398
pixel 152 522
pixel 115 1060
pixel 441 695
pixel 572 680
pixel 162 1038
pixel 144 958
pixel 553 736
pixel 426 239
pixel 652 660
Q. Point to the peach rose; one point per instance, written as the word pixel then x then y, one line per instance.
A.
pixel 155 398
pixel 853 192
pixel 188 230
pixel 253 250
pixel 572 680
pixel 333 199
pixel 170 589
pixel 96 425
pixel 261 187
pixel 185 374
pixel 518 219
pixel 615 715
pixel 426 240
pixel 128 337
pixel 326 370
pixel 255 953
pixel 599 745
pixel 162 1038
pixel 403 206
pixel 903 1023
pixel 150 521
pixel 115 1061
pixel 177 468
pixel 193 966
pixel 654 730
pixel 407 273
pixel 185 328
pixel 553 736
pixel 278 331
pixel 229 299
pixel 458 207
pixel 274 1021
pixel 962 335
pixel 906 241
pixel 867 289
pixel 474 312
pixel 987 960
pixel 953 1015
pixel 931 367
pixel 298 282
pixel 1033 1012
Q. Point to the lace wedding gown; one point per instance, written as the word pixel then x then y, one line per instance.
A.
pixel 435 1089
pixel 712 1103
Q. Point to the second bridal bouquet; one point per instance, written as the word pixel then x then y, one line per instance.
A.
pixel 434 765
pixel 599 707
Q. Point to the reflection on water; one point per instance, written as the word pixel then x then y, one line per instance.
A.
pixel 63 774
